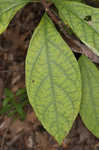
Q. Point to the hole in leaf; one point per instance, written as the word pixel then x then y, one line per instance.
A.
pixel 87 18
pixel 33 81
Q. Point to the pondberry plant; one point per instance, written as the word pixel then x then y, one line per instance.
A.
pixel 58 86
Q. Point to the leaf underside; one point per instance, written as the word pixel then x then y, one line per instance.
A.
pixel 89 110
pixel 83 19
pixel 53 80
pixel 8 9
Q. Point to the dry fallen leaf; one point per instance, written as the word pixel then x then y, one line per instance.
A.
pixel 5 124
pixel 16 127
pixel 31 117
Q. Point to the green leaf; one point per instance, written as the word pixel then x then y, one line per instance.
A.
pixel 8 93
pixel 8 9
pixel 5 101
pixel 5 109
pixel 53 80
pixel 75 14
pixel 89 110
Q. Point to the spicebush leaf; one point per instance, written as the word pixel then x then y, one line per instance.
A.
pixel 53 80
pixel 89 110
pixel 8 9
pixel 84 21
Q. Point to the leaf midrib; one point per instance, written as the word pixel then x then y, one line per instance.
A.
pixel 50 72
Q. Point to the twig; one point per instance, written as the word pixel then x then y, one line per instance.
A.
pixel 76 45
pixel 15 138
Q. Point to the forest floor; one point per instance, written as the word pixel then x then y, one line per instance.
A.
pixel 29 134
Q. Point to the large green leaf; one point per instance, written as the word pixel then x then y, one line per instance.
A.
pixel 8 9
pixel 90 95
pixel 76 14
pixel 53 80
